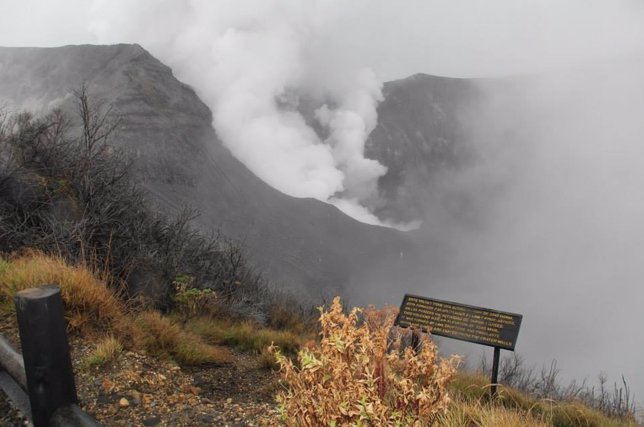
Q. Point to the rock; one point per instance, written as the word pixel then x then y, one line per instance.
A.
pixel 124 403
pixel 102 399
pixel 152 421
pixel 207 419
pixel 136 397
pixel 108 385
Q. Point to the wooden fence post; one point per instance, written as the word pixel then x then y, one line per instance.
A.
pixel 45 350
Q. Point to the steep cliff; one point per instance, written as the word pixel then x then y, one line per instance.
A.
pixel 303 244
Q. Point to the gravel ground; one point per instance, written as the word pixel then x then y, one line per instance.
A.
pixel 141 390
pixel 9 416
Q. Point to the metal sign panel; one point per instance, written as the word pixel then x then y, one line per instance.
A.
pixel 463 322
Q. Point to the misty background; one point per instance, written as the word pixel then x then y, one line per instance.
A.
pixel 543 215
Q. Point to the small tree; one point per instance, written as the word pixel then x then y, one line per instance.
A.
pixel 360 375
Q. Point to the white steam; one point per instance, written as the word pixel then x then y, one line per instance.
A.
pixel 253 60
pixel 252 64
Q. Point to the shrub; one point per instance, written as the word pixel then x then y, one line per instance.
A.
pixel 358 375
pixel 192 302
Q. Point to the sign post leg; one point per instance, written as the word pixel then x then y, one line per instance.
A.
pixel 495 371
pixel 415 341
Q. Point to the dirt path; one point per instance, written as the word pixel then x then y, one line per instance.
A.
pixel 141 390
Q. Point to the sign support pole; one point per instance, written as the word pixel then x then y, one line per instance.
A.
pixel 415 340
pixel 495 371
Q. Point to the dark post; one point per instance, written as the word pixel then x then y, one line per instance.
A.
pixel 50 378
pixel 495 370
pixel 415 340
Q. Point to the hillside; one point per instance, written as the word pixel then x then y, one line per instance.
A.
pixel 304 244
pixel 197 368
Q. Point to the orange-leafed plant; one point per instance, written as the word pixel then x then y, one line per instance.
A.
pixel 360 374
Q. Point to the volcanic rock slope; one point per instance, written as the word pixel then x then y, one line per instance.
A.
pixel 303 244
pixel 422 124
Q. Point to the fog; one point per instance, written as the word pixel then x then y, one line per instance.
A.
pixel 546 217
pixel 560 236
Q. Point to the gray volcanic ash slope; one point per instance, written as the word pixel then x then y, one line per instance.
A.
pixel 303 244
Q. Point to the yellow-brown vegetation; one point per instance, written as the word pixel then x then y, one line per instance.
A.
pixel 359 375
pixel 90 306
pixel 473 407
pixel 162 336
pixel 93 310
pixel 245 336
pixel 106 351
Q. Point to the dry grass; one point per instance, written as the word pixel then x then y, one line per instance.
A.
pixel 106 351
pixel 479 415
pixel 162 336
pixel 471 392
pixel 89 305
pixel 93 310
pixel 267 360
pixel 246 336
pixel 287 314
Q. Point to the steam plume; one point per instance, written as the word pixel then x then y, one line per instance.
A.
pixel 252 65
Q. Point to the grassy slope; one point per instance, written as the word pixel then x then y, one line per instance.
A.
pixel 96 313
pixel 514 408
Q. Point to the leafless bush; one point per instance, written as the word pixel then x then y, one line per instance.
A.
pixel 65 189
pixel 617 402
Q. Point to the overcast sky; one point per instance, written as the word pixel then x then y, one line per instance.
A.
pixel 395 38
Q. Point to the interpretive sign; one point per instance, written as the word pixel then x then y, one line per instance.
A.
pixel 464 322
